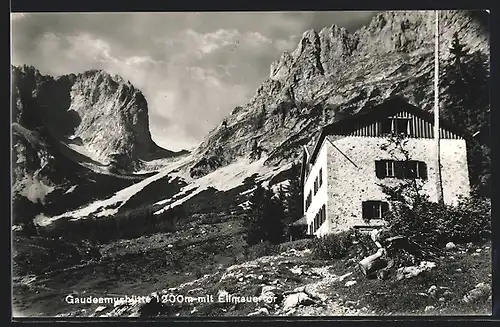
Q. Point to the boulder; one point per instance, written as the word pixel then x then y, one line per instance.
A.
pixel 429 308
pixel 350 283
pixel 296 299
pixel 479 293
pixel 260 312
pixel 412 271
pixel 450 246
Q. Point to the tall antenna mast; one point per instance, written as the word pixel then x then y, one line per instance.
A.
pixel 439 182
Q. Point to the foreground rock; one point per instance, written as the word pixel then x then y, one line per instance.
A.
pixel 480 293
pixel 412 271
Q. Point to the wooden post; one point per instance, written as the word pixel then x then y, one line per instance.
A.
pixel 439 182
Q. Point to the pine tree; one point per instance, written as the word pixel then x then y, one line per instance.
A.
pixel 457 49
pixel 294 199
pixel 254 220
pixel 466 91
pixel 465 84
pixel 265 221
pixel 274 224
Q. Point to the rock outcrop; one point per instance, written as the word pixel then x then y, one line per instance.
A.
pixel 60 124
pixel 332 73
pixel 106 113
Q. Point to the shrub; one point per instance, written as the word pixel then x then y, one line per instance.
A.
pixel 261 250
pixel 332 246
pixel 299 245
pixel 365 244
pixel 431 224
pixel 472 221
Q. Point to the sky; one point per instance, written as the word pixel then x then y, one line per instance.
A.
pixel 193 68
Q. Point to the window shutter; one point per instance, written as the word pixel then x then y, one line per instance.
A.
pixel 399 169
pixel 410 170
pixel 366 210
pixel 422 170
pixel 380 168
pixel 385 208
pixel 406 167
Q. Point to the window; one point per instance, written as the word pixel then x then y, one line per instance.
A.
pixel 320 176
pixel 308 200
pixel 416 169
pixel 374 209
pixel 396 126
pixel 323 214
pixel 318 220
pixel 316 186
pixel 401 126
pixel 389 168
pixel 400 169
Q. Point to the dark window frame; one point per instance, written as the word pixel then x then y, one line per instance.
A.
pixel 401 169
pixel 392 126
pixel 308 200
pixel 374 209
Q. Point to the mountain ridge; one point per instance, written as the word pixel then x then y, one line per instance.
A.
pixel 103 111
pixel 319 82
pixel 71 131
pixel 332 73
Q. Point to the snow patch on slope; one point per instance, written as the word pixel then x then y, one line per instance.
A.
pixel 223 179
pixel 71 189
pixel 116 201
pixel 83 151
pixel 35 190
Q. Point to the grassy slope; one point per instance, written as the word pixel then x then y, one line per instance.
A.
pixel 403 298
pixel 210 239
pixel 206 240
pixel 366 297
pixel 207 258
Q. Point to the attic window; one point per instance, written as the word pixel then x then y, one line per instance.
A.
pixel 396 125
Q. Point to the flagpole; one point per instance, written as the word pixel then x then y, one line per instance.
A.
pixel 439 184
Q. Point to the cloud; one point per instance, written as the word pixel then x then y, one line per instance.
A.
pixel 193 68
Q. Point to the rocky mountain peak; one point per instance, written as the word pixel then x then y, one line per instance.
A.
pixel 107 114
pixel 334 73
pixel 113 115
